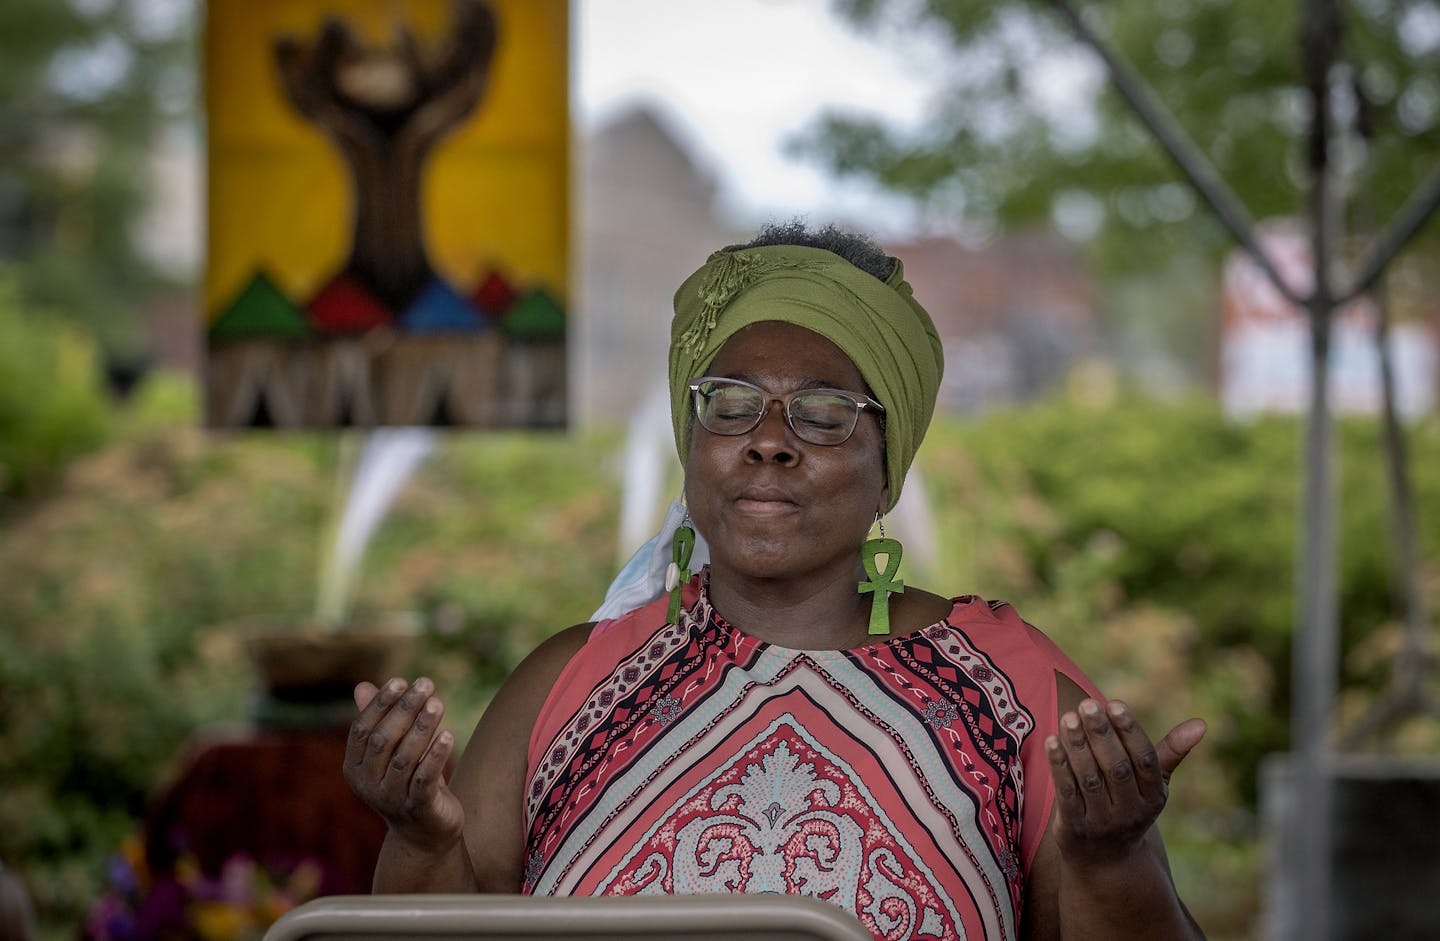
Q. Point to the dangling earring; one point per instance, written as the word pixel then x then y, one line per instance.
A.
pixel 678 572
pixel 882 581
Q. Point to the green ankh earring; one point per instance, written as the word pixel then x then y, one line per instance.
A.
pixel 882 580
pixel 678 572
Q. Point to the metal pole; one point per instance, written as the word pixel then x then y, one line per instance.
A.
pixel 1315 646
pixel 1406 694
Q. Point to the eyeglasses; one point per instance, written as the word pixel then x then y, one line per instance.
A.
pixel 819 416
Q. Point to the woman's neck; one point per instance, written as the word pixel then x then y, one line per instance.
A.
pixel 820 611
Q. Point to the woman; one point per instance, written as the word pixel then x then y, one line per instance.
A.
pixel 934 765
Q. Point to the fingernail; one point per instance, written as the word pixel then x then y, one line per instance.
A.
pixel 433 707
pixel 1071 721
pixel 1117 708
pixel 396 686
pixel 1090 707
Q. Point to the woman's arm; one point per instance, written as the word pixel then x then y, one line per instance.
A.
pixel 1101 870
pixel 465 835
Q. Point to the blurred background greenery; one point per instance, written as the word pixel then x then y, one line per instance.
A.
pixel 1152 538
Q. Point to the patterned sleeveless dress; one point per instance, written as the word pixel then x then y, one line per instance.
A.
pixel 905 781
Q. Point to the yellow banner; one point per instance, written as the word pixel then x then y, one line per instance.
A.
pixel 388 211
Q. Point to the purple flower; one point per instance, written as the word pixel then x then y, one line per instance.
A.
pixel 237 880
pixel 110 919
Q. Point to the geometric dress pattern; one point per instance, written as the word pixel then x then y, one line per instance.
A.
pixel 904 781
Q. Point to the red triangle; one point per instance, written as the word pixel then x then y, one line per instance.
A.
pixel 494 296
pixel 345 306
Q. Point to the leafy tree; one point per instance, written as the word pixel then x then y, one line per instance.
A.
pixel 1003 146
pixel 86 89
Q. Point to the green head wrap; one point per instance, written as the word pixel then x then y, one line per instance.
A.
pixel 879 325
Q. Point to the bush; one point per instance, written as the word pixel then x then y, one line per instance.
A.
pixel 126 582
pixel 52 400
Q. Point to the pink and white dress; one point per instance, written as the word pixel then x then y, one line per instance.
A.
pixel 905 781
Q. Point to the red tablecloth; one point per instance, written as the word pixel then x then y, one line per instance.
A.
pixel 277 796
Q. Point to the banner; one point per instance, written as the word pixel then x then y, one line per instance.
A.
pixel 387 212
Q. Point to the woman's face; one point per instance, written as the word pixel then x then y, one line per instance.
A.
pixel 769 504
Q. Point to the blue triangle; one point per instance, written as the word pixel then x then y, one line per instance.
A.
pixel 439 309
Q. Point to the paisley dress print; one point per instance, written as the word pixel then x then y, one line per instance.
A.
pixel 904 781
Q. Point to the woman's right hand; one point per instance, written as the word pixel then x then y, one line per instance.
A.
pixel 395 761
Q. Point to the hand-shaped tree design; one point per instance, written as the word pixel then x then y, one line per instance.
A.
pixel 386 107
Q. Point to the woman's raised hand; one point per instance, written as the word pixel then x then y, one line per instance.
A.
pixel 1111 782
pixel 395 762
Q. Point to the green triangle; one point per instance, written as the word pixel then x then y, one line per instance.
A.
pixel 260 310
pixel 536 315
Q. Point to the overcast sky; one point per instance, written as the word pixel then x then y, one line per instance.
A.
pixel 739 77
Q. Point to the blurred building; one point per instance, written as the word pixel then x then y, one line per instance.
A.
pixel 1015 313
pixel 645 220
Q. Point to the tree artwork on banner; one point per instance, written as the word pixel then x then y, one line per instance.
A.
pixel 388 226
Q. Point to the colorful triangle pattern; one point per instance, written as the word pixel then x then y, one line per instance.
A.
pixel 261 310
pixel 345 306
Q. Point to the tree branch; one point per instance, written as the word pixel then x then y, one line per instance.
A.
pixel 1183 151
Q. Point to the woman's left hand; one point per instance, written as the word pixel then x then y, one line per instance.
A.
pixel 1111 781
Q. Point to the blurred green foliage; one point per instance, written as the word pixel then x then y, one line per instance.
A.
pixel 1154 542
pixel 87 91
pixel 131 579
pixel 52 404
pixel 1024 129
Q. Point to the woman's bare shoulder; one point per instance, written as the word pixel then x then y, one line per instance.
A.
pixel 918 609
pixel 524 692
pixel 552 655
